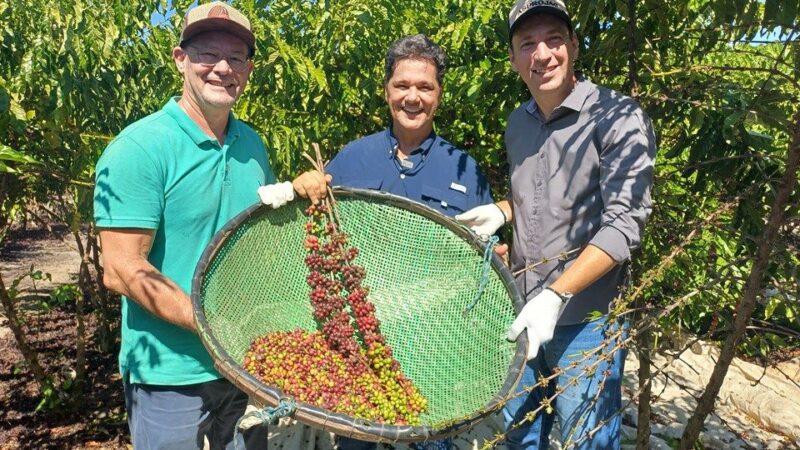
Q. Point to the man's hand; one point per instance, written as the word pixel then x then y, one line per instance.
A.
pixel 539 317
pixel 276 195
pixel 484 220
pixel 312 185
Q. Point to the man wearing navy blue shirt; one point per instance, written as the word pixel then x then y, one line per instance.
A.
pixel 433 172
pixel 408 159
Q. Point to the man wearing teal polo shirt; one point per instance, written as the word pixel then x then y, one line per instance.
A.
pixel 164 187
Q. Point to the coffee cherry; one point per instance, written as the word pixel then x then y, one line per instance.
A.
pixel 346 366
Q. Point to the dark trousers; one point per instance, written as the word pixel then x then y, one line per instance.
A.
pixel 184 417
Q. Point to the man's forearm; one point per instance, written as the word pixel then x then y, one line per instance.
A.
pixel 154 292
pixel 591 264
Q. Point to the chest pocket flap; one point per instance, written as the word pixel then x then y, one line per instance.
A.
pixel 448 197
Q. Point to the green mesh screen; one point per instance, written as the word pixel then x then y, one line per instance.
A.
pixel 421 278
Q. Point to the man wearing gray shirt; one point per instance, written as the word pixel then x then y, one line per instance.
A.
pixel 581 168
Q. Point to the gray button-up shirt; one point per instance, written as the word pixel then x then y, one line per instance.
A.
pixel 582 177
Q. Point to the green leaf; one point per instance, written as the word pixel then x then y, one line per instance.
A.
pixel 473 90
pixel 772 305
pixel 18 111
pixel 112 32
pixel 318 74
pixel 9 154
pixel 789 12
pixel 460 34
pixel 696 118
pixel 5 100
pixel 761 136
pixel 365 18
pixel 731 125
pixel 771 9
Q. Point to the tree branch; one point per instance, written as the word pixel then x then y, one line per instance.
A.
pixel 747 304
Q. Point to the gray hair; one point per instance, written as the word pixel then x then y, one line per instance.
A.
pixel 415 47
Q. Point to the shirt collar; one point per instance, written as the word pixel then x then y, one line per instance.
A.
pixel 193 130
pixel 424 147
pixel 574 101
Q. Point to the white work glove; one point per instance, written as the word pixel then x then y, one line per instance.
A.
pixel 484 220
pixel 539 317
pixel 276 195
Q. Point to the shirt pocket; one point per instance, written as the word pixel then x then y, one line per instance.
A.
pixel 449 201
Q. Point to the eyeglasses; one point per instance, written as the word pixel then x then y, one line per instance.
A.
pixel 210 58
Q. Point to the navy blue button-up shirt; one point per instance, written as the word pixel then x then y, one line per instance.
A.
pixel 436 174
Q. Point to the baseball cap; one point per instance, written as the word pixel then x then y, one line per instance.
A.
pixel 524 8
pixel 217 16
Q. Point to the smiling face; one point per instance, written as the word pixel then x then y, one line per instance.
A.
pixel 412 94
pixel 543 52
pixel 209 80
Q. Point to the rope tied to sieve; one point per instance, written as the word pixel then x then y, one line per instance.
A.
pixel 263 417
pixel 486 266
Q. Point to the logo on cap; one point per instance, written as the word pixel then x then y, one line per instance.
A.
pixel 522 7
pixel 536 3
pixel 218 11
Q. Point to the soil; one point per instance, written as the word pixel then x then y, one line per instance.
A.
pixel 98 419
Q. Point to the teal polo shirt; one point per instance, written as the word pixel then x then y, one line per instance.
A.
pixel 164 173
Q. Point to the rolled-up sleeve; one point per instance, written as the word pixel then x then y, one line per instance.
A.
pixel 626 179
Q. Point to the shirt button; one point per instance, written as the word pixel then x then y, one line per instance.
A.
pixel 402 176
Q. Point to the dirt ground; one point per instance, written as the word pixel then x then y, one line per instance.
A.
pixel 99 420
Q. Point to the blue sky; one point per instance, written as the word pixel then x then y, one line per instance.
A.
pixel 160 17
pixel 776 35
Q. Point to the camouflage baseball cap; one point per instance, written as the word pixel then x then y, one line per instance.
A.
pixel 524 8
pixel 218 16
